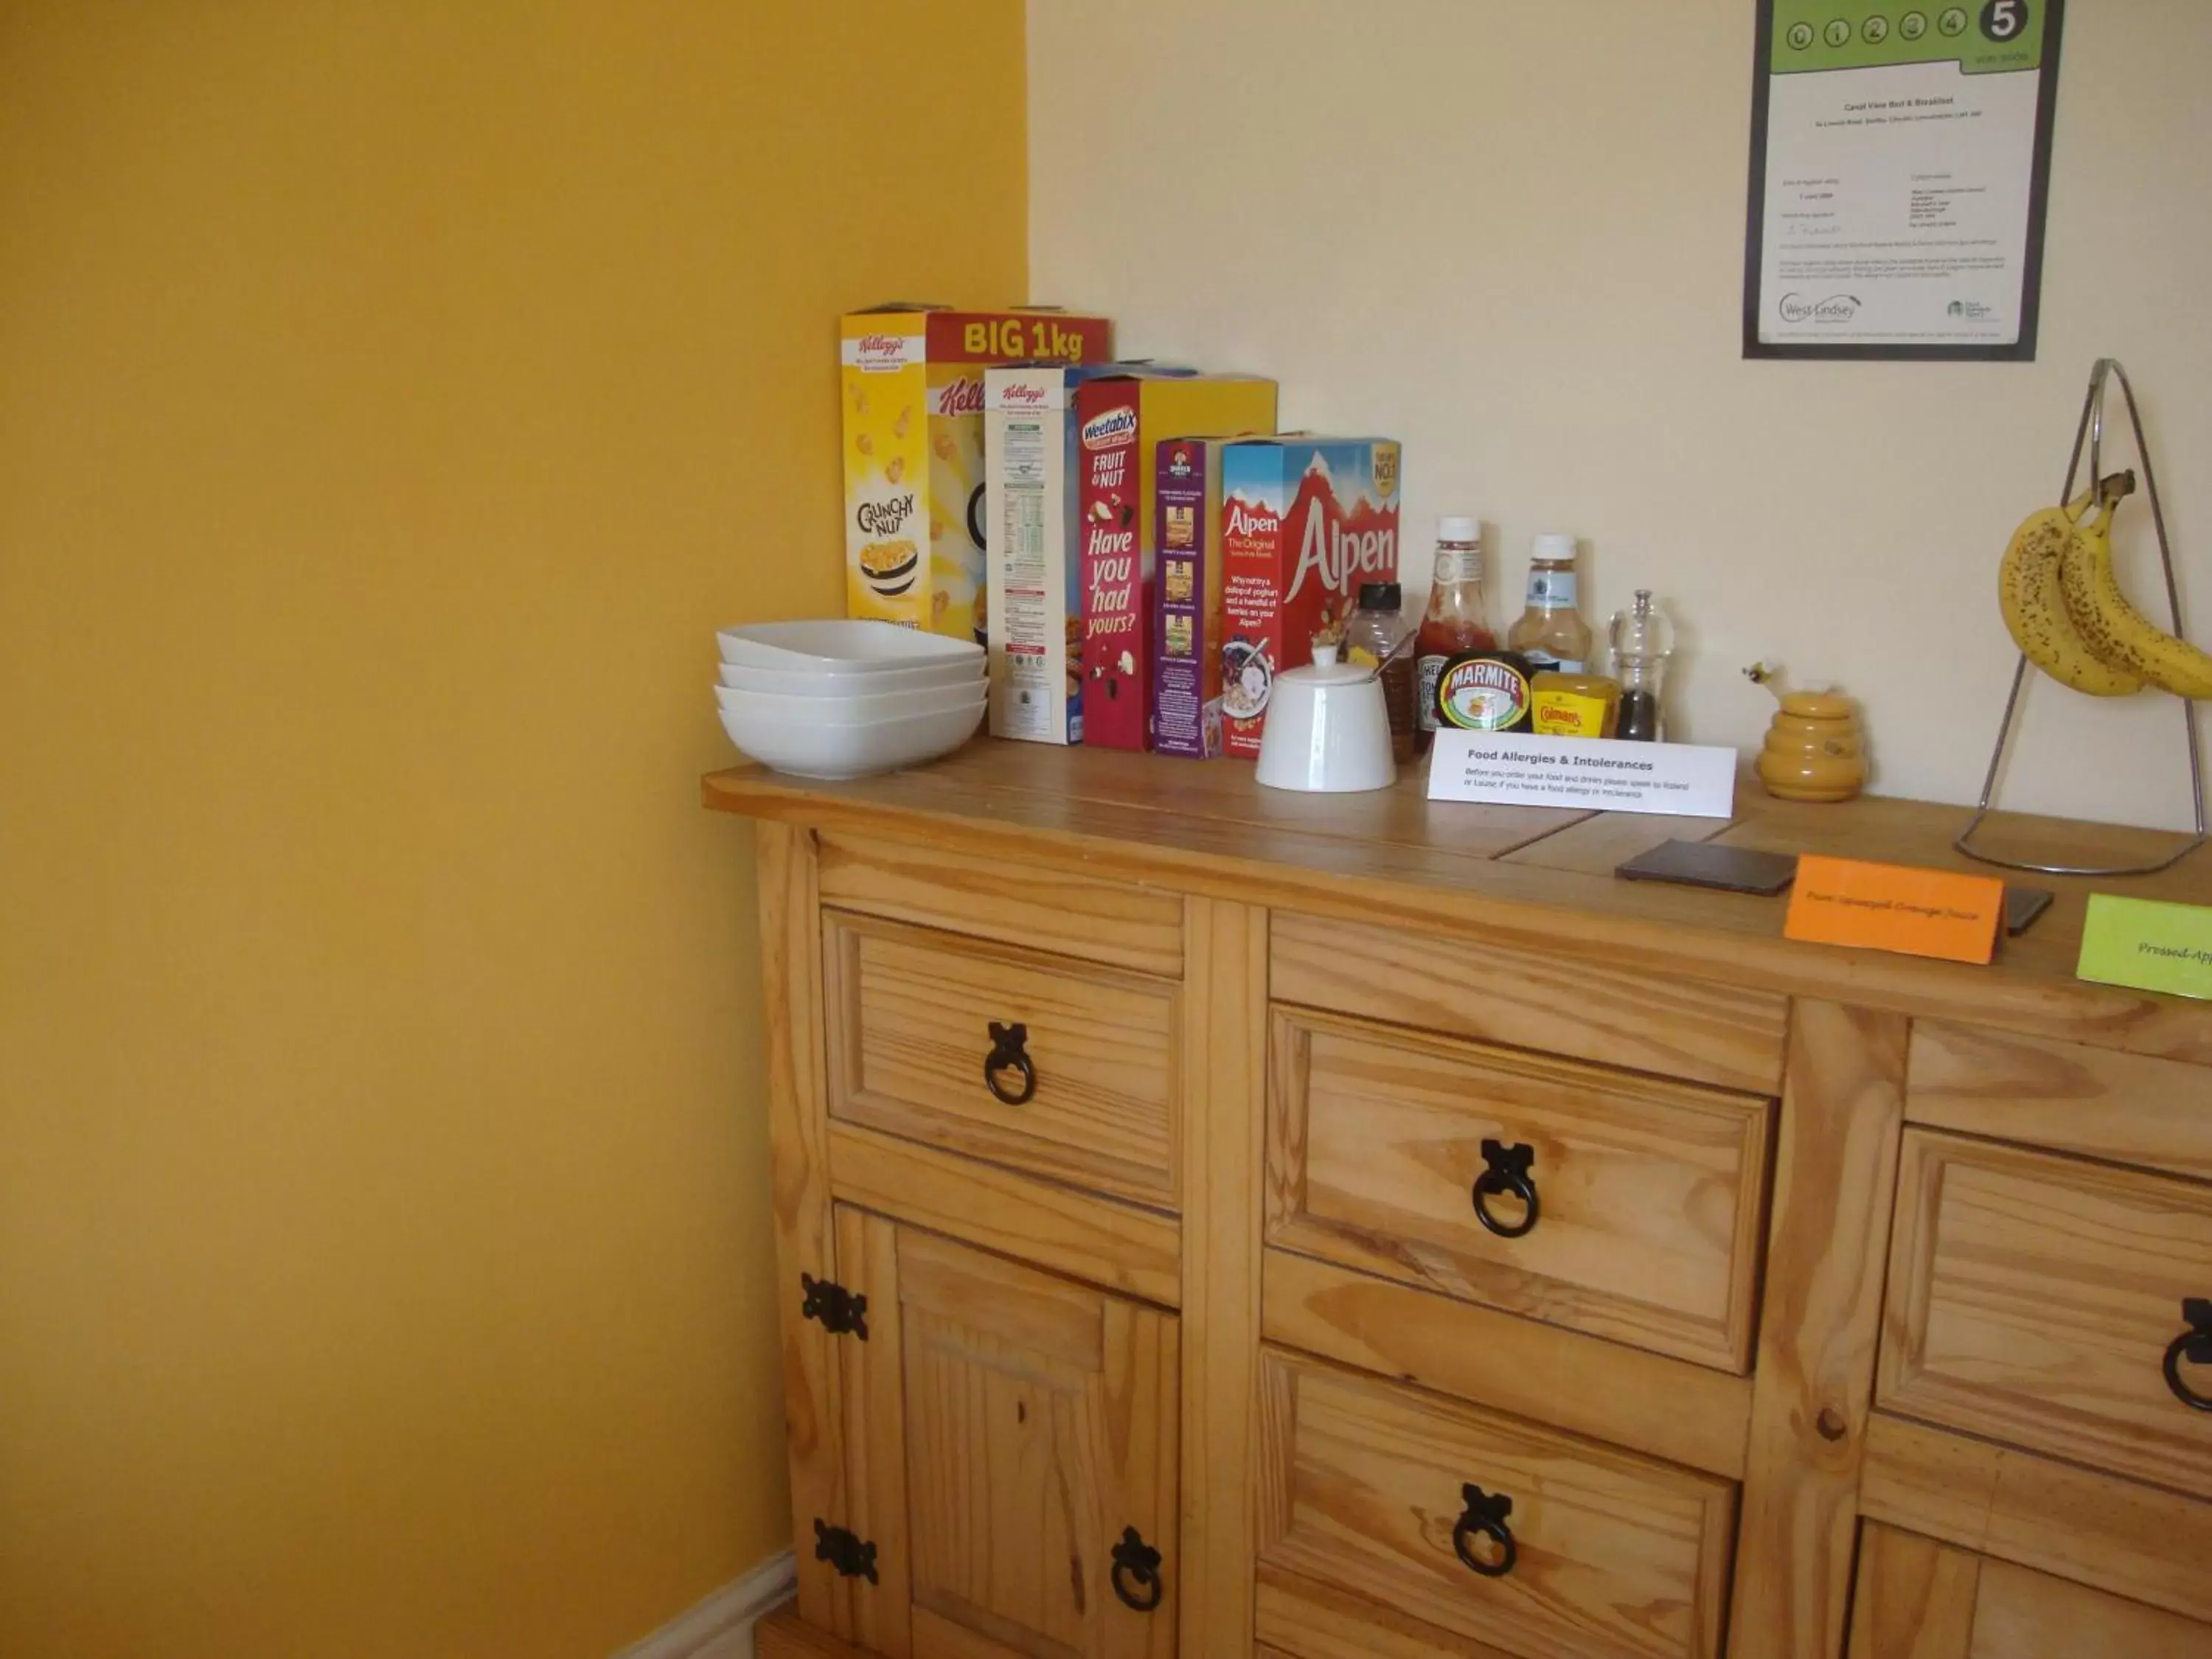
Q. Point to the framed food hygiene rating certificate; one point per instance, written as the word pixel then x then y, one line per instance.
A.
pixel 1900 155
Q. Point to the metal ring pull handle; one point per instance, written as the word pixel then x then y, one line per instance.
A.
pixel 1486 1514
pixel 2194 1346
pixel 1010 1052
pixel 1141 1563
pixel 1508 1172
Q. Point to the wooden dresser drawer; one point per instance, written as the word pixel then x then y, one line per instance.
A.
pixel 1117 922
pixel 1588 1009
pixel 2037 1300
pixel 1380 1493
pixel 2132 1109
pixel 1387 1150
pixel 929 1036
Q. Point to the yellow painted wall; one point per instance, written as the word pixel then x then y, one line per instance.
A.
pixel 392 396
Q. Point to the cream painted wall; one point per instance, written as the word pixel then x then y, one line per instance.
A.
pixel 393 395
pixel 1511 233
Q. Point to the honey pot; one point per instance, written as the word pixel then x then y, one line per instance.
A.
pixel 1813 750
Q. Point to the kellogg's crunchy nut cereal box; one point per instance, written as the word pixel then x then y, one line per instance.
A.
pixel 913 400
pixel 1122 419
pixel 1304 521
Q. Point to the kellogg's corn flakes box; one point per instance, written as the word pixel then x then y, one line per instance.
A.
pixel 913 400
pixel 1305 521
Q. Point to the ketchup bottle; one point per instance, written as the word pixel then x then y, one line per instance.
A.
pixel 1458 616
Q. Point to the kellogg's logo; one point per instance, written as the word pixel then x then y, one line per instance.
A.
pixel 1836 308
pixel 960 397
pixel 1116 428
pixel 1022 394
pixel 875 351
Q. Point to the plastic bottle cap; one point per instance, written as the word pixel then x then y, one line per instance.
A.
pixel 1381 596
pixel 1553 548
pixel 1458 529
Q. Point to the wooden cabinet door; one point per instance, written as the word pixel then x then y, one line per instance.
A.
pixel 1012 1439
pixel 1918 1599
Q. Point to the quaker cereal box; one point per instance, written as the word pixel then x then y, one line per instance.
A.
pixel 1032 527
pixel 1121 420
pixel 913 400
pixel 1304 521
pixel 1187 617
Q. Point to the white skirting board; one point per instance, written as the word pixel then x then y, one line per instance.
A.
pixel 722 1627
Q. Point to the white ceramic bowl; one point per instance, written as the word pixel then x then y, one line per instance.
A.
pixel 855 709
pixel 814 749
pixel 840 648
pixel 801 682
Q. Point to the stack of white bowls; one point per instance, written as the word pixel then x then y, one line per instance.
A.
pixel 844 699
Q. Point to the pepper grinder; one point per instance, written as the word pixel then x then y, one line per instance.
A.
pixel 1642 639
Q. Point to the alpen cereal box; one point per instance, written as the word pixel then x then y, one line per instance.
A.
pixel 1032 551
pixel 1122 419
pixel 912 388
pixel 1186 614
pixel 1305 520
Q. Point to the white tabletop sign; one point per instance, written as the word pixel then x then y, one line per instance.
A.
pixel 1600 775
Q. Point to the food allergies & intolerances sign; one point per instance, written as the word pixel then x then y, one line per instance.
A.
pixel 1595 775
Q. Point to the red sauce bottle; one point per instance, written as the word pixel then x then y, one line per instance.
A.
pixel 1457 620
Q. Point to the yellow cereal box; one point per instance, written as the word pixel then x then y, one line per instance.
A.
pixel 913 399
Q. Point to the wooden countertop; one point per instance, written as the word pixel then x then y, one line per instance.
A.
pixel 1536 877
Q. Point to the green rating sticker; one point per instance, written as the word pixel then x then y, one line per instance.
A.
pixel 1982 37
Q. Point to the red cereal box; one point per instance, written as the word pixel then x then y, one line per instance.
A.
pixel 1121 420
pixel 1305 520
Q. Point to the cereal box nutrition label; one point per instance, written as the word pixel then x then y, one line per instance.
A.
pixel 1036 688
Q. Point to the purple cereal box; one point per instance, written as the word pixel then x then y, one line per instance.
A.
pixel 1186 614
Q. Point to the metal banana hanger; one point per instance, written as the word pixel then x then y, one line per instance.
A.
pixel 2091 428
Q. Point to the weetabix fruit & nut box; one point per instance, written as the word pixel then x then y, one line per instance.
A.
pixel 912 390
pixel 1033 556
pixel 1305 520
pixel 1120 421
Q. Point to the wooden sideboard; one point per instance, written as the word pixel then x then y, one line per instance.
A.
pixel 1215 1222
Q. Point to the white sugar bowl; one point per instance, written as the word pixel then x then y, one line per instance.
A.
pixel 1328 730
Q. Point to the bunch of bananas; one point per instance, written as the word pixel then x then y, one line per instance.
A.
pixel 2064 608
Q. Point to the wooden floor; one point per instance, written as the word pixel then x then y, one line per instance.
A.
pixel 781 1636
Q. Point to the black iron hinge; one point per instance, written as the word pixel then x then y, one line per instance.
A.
pixel 851 1558
pixel 837 1308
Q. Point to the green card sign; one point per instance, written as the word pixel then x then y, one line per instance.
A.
pixel 2148 946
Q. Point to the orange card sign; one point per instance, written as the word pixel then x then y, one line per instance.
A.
pixel 1891 907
